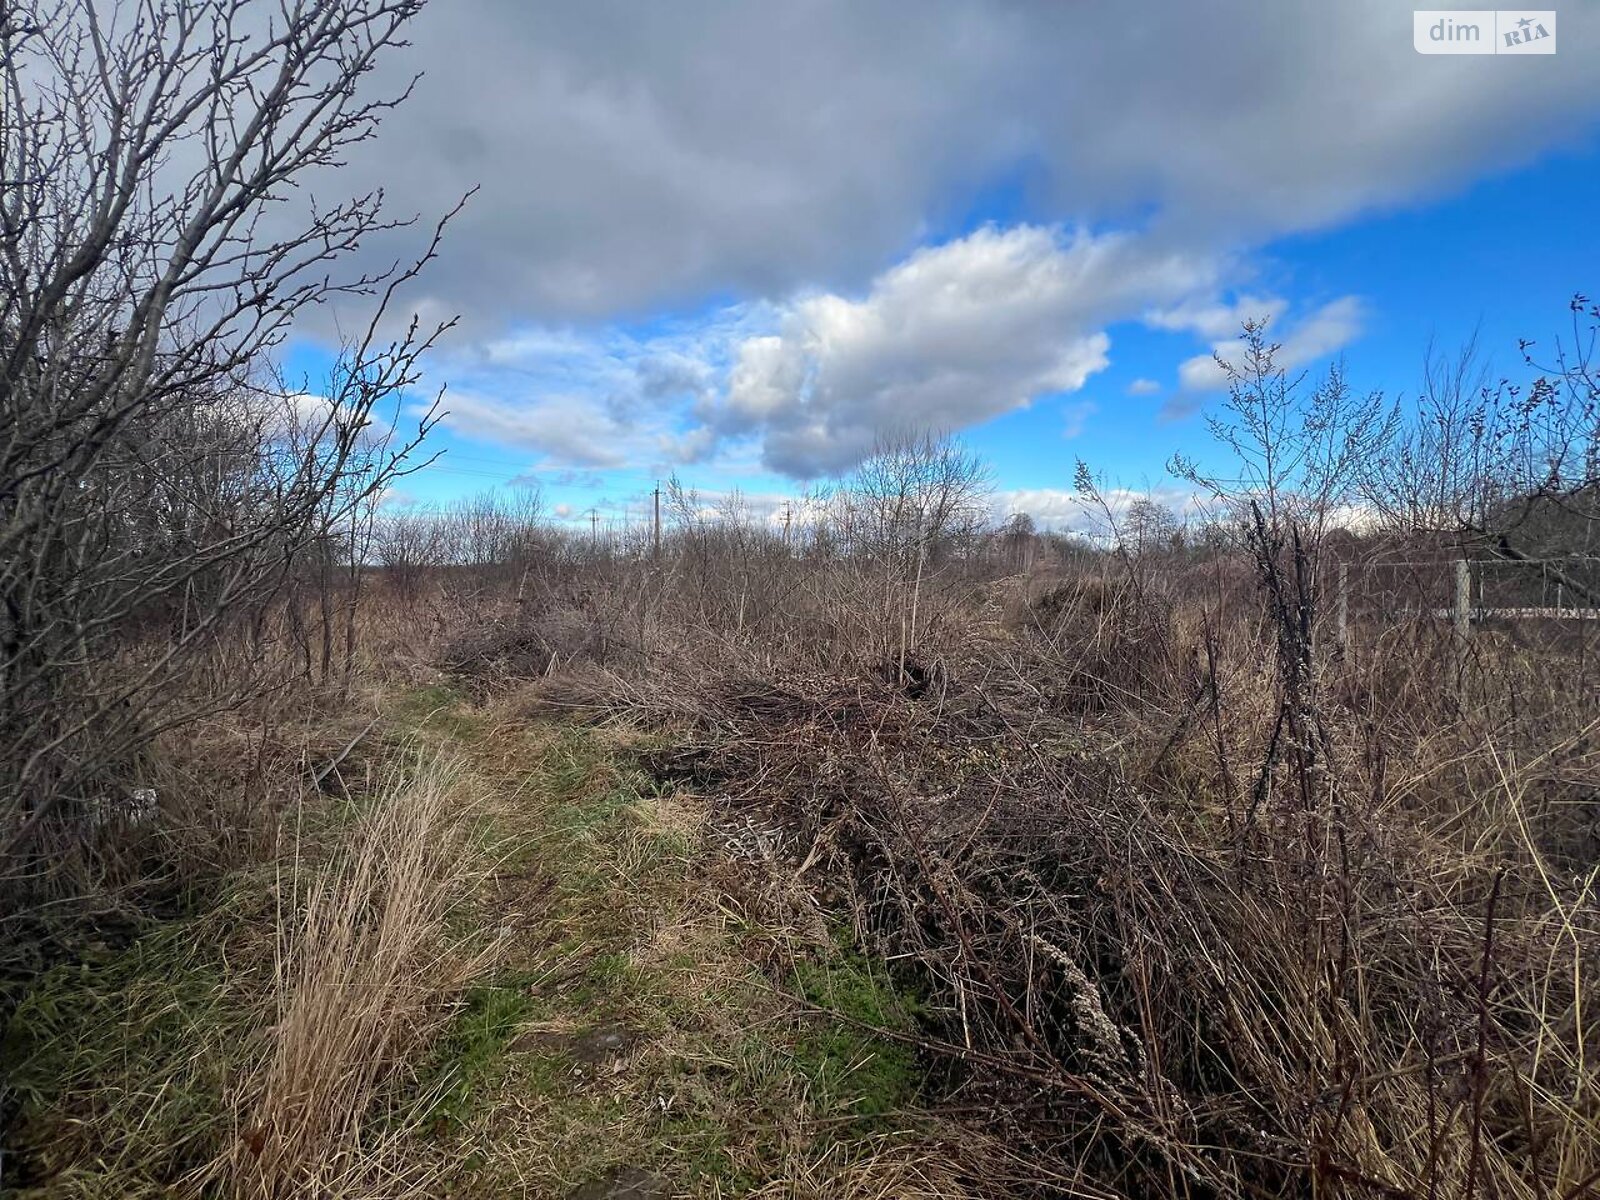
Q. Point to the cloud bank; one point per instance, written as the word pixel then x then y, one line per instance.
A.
pixel 642 157
pixel 955 335
pixel 800 180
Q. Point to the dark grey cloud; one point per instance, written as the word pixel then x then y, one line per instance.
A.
pixel 637 156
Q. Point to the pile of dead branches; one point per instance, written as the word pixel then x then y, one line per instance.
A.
pixel 1149 991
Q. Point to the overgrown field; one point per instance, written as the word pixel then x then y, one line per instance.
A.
pixel 353 846
pixel 515 964
pixel 1173 935
pixel 609 889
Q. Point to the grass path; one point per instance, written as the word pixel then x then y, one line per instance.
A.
pixel 655 1024
pixel 652 1031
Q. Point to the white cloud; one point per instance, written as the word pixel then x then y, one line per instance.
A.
pixel 1055 509
pixel 1214 320
pixel 1329 328
pixel 587 399
pixel 569 431
pixel 1066 511
pixel 955 335
pixel 1202 373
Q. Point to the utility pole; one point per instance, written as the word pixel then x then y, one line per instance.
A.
pixel 786 516
pixel 594 528
pixel 655 541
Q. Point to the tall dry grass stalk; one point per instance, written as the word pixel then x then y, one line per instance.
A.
pixel 367 969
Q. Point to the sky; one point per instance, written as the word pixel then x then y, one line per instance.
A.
pixel 740 243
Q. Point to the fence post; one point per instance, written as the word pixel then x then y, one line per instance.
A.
pixel 1461 611
pixel 1342 608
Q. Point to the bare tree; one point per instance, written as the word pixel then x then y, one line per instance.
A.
pixel 1299 457
pixel 914 490
pixel 158 482
pixel 1436 471
pixel 908 513
pixel 1498 469
pixel 408 545
pixel 1152 526
pixel 1299 452
pixel 1020 539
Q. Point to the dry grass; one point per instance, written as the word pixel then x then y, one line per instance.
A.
pixel 367 970
pixel 718 1084
pixel 1151 950
pixel 1160 956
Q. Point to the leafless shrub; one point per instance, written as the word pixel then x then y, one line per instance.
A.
pixel 1497 468
pixel 1156 998
pixel 159 487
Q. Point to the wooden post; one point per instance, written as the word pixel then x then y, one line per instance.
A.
pixel 1342 606
pixel 1461 610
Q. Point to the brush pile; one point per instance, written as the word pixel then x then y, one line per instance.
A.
pixel 1156 958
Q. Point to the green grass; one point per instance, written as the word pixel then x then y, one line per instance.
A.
pixel 121 1066
pixel 854 1070
pixel 439 710
pixel 735 1088
pixel 469 1057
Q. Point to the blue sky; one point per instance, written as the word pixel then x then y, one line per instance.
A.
pixel 1501 257
pixel 982 227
